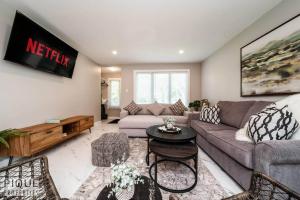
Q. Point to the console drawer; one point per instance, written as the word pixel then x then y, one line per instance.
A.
pixel 86 123
pixel 45 138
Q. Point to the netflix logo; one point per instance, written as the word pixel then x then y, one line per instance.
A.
pixel 42 50
pixel 33 46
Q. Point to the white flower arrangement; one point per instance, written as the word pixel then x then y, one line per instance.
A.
pixel 170 122
pixel 124 177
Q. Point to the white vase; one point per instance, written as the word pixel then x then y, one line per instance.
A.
pixel 125 194
pixel 169 126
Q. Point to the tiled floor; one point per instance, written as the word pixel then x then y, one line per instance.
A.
pixel 70 163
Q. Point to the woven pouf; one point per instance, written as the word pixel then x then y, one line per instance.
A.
pixel 110 148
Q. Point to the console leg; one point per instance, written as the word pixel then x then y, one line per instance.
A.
pixel 90 130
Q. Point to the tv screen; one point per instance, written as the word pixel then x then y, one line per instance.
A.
pixel 31 45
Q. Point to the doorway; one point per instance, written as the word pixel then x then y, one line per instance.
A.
pixel 111 93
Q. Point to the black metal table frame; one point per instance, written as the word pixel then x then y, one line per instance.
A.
pixel 177 160
pixel 165 158
pixel 149 152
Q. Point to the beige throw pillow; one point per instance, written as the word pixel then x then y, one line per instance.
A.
pixel 156 109
pixel 133 108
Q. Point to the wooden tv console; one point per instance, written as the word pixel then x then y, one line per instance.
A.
pixel 44 136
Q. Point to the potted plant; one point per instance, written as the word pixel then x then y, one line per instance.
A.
pixel 124 177
pixel 5 134
pixel 195 105
pixel 191 105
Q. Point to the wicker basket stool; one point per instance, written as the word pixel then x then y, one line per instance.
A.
pixel 34 172
pixel 265 188
pixel 109 148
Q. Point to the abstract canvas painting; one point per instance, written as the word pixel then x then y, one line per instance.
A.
pixel 270 65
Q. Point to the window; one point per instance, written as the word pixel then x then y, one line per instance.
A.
pixel 161 86
pixel 114 92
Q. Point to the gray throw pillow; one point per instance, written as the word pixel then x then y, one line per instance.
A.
pixel 156 109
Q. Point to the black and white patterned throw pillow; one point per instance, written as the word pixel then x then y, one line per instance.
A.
pixel 210 114
pixel 272 123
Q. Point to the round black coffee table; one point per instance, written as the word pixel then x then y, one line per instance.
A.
pixel 142 191
pixel 187 134
pixel 172 147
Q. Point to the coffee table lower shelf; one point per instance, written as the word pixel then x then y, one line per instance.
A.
pixel 177 153
pixel 170 189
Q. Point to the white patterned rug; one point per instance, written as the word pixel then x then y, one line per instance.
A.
pixel 170 175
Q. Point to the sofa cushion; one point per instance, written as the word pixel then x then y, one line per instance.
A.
pixel 156 109
pixel 232 113
pixel 144 110
pixel 139 121
pixel 179 119
pixel 254 109
pixel 224 140
pixel 203 127
pixel 167 110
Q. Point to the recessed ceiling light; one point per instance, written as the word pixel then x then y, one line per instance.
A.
pixel 114 52
pixel 114 68
pixel 181 51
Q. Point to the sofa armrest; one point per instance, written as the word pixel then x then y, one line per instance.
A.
pixel 277 152
pixel 192 116
pixel 280 160
pixel 187 113
pixel 123 113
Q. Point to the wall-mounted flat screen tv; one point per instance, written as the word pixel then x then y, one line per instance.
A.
pixel 33 46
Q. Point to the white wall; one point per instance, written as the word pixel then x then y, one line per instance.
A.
pixel 127 78
pixel 220 73
pixel 29 97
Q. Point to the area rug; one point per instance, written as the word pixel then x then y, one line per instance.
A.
pixel 170 175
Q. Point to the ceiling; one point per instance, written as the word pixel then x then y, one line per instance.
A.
pixel 144 31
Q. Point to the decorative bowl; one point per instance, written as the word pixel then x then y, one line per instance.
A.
pixel 164 129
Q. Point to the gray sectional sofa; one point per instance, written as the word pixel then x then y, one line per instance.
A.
pixel 278 159
pixel 135 125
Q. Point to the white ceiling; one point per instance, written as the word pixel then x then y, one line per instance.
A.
pixel 144 31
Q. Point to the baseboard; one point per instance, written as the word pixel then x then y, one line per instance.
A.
pixel 113 118
pixel 97 123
